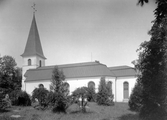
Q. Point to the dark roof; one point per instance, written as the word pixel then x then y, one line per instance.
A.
pixel 77 70
pixel 33 46
pixel 123 71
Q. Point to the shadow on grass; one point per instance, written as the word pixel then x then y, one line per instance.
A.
pixel 76 112
pixel 5 110
pixel 129 117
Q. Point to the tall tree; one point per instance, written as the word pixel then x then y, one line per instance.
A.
pixel 153 68
pixel 10 75
pixel 160 12
pixel 60 93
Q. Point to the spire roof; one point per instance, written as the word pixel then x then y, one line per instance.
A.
pixel 33 46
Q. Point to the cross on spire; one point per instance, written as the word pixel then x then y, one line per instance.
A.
pixel 33 7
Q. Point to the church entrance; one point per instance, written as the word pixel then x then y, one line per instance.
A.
pixel 126 90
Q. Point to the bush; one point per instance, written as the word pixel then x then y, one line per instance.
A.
pixel 20 98
pixel 41 95
pixel 135 98
pixel 91 94
pixel 104 95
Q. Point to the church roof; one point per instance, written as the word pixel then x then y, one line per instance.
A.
pixel 77 70
pixel 123 71
pixel 33 46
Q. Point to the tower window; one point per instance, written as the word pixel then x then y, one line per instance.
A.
pixel 29 62
pixel 40 63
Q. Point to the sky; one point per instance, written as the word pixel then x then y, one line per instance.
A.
pixel 74 31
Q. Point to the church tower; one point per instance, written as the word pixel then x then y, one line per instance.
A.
pixel 33 56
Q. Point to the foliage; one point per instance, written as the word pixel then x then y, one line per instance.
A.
pixel 104 96
pixel 80 96
pixel 51 98
pixel 4 103
pixel 80 92
pixel 160 12
pixel 10 75
pixel 60 93
pixel 152 67
pixel 91 94
pixel 20 98
pixel 41 95
pixel 135 98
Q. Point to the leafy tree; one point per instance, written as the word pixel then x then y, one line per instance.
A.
pixel 153 70
pixel 104 96
pixel 61 96
pixel 10 75
pixel 80 97
pixel 160 12
pixel 40 94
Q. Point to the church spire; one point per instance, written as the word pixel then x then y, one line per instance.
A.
pixel 33 46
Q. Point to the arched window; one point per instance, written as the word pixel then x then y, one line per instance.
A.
pixel 67 87
pixel 109 85
pixel 91 84
pixel 29 62
pixel 40 63
pixel 41 86
pixel 126 90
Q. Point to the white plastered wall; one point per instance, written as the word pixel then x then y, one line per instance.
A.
pixel 34 64
pixel 31 85
pixel 74 84
pixel 119 87
pixel 80 82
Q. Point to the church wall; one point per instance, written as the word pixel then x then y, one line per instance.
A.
pixel 120 88
pixel 83 82
pixel 74 84
pixel 30 86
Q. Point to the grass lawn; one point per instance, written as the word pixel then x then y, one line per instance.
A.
pixel 94 112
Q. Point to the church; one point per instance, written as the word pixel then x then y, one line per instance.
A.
pixel 122 78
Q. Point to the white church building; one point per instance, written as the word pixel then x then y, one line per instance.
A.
pixel 34 71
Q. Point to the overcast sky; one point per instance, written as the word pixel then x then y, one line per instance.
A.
pixel 71 30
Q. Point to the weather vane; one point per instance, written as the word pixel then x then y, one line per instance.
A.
pixel 33 7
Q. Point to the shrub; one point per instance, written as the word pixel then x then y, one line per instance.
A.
pixel 41 95
pixel 14 97
pixel 104 95
pixel 23 99
pixel 135 98
pixel 3 104
pixel 20 98
pixel 91 94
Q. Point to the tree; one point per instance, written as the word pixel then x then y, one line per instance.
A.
pixel 10 75
pixel 40 94
pixel 104 96
pixel 61 96
pixel 135 102
pixel 160 12
pixel 80 97
pixel 153 68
